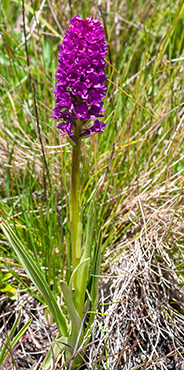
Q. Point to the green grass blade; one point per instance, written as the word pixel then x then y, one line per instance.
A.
pixel 36 276
pixel 20 334
pixel 42 20
pixel 7 340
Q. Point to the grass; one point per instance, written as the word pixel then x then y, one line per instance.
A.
pixel 133 172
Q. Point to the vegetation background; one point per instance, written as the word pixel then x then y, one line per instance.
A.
pixel 133 173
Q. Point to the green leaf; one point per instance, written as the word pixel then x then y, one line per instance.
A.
pixel 95 279
pixel 82 270
pixel 6 277
pixel 11 291
pixel 94 291
pixel 74 316
pixel 75 272
pixel 59 345
pixel 37 277
pixel 70 139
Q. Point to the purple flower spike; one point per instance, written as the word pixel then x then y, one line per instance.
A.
pixel 80 87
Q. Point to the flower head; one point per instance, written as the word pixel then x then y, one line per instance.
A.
pixel 80 87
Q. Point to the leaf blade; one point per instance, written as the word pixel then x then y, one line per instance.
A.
pixel 37 277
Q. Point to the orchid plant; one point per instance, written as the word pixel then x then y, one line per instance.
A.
pixel 79 93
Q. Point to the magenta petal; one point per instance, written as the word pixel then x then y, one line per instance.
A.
pixel 81 110
pixel 80 88
pixel 64 99
pixel 98 126
pixel 66 127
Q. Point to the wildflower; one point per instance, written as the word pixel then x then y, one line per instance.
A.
pixel 80 88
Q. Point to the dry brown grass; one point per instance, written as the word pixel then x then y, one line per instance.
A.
pixel 144 273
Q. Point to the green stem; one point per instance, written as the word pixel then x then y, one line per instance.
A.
pixel 75 202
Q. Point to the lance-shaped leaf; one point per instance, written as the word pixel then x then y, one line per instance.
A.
pixel 58 346
pixel 73 314
pixel 82 270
